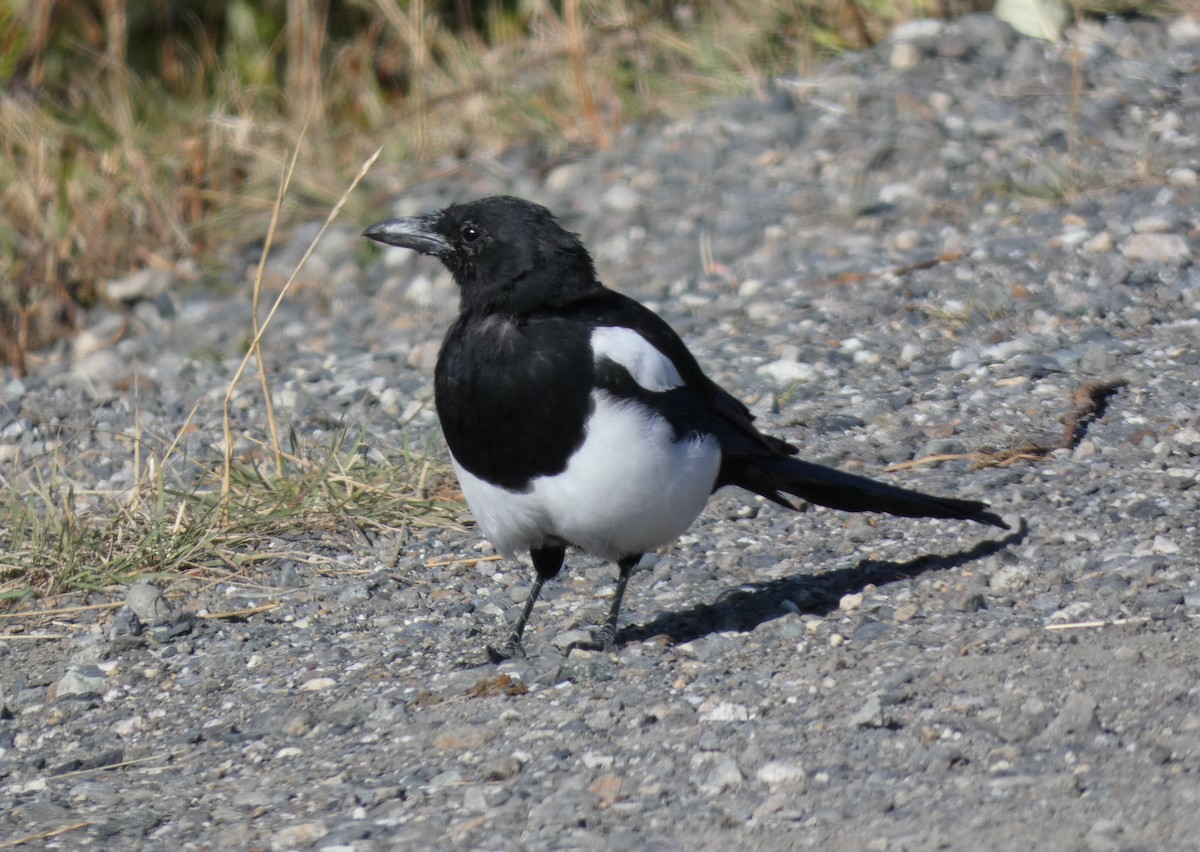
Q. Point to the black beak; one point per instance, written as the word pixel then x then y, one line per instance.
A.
pixel 411 232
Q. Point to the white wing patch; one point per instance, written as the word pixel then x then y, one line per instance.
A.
pixel 649 368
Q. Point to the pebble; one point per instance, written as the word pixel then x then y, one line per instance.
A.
pixel 1077 716
pixel 317 684
pixel 622 199
pixel 870 714
pixel 86 681
pixel 785 372
pixel 299 835
pixel 779 772
pixel 1011 578
pixel 725 712
pixel 147 601
pixel 1187 439
pixel 723 775
pixel 1169 249
pixel 1101 242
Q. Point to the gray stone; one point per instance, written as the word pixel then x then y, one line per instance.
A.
pixel 148 603
pixel 86 681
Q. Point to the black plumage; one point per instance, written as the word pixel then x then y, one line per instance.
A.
pixel 576 416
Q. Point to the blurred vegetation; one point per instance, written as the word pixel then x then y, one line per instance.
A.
pixel 139 133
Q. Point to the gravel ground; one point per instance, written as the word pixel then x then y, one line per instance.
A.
pixel 926 251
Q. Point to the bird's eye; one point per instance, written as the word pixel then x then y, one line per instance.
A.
pixel 470 233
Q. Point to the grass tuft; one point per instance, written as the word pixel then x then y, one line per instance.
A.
pixel 57 537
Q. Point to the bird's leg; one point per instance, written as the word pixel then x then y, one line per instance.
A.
pixel 605 639
pixel 512 646
pixel 547 562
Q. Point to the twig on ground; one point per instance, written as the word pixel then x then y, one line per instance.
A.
pixel 44 835
pixel 1084 625
pixel 1088 403
pixel 242 613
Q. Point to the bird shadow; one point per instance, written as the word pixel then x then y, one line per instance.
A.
pixel 749 605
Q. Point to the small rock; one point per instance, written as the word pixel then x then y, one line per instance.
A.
pixel 125 728
pixel 621 198
pixel 608 789
pixel 1077 716
pixel 464 738
pixel 353 594
pixel 572 638
pixel 300 835
pixel 180 625
pixel 968 602
pixel 1105 836
pixel 1011 578
pixel 1154 225
pixel 724 775
pixel 905 56
pixel 785 372
pixel 1188 440
pixel 597 761
pixel 1157 248
pixel 870 714
pixel 1183 177
pixel 298 725
pixel 125 625
pixel 80 682
pixel 725 712
pixel 850 602
pixel 148 603
pixel 1164 545
pixel 1100 243
pixel 906 240
pixel 317 684
pixel 501 769
pixel 601 719
pixel 868 631
pixel 777 772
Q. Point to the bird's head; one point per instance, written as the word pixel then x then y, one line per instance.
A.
pixel 507 255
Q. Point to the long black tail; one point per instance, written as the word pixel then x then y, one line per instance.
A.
pixel 774 477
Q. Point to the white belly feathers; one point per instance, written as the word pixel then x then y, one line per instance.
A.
pixel 629 489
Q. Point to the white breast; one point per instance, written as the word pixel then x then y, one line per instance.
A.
pixel 629 489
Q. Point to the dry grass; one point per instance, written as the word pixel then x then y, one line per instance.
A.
pixel 218 518
pixel 60 537
pixel 144 133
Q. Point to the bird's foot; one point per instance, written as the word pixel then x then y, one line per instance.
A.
pixel 509 650
pixel 603 640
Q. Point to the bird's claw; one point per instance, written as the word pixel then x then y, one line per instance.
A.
pixel 603 640
pixel 509 650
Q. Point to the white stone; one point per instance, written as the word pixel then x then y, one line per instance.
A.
pixel 1157 248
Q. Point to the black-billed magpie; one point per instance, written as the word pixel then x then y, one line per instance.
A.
pixel 576 417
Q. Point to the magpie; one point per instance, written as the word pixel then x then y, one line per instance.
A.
pixel 577 418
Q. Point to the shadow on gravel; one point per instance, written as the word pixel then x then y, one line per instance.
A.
pixel 748 606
